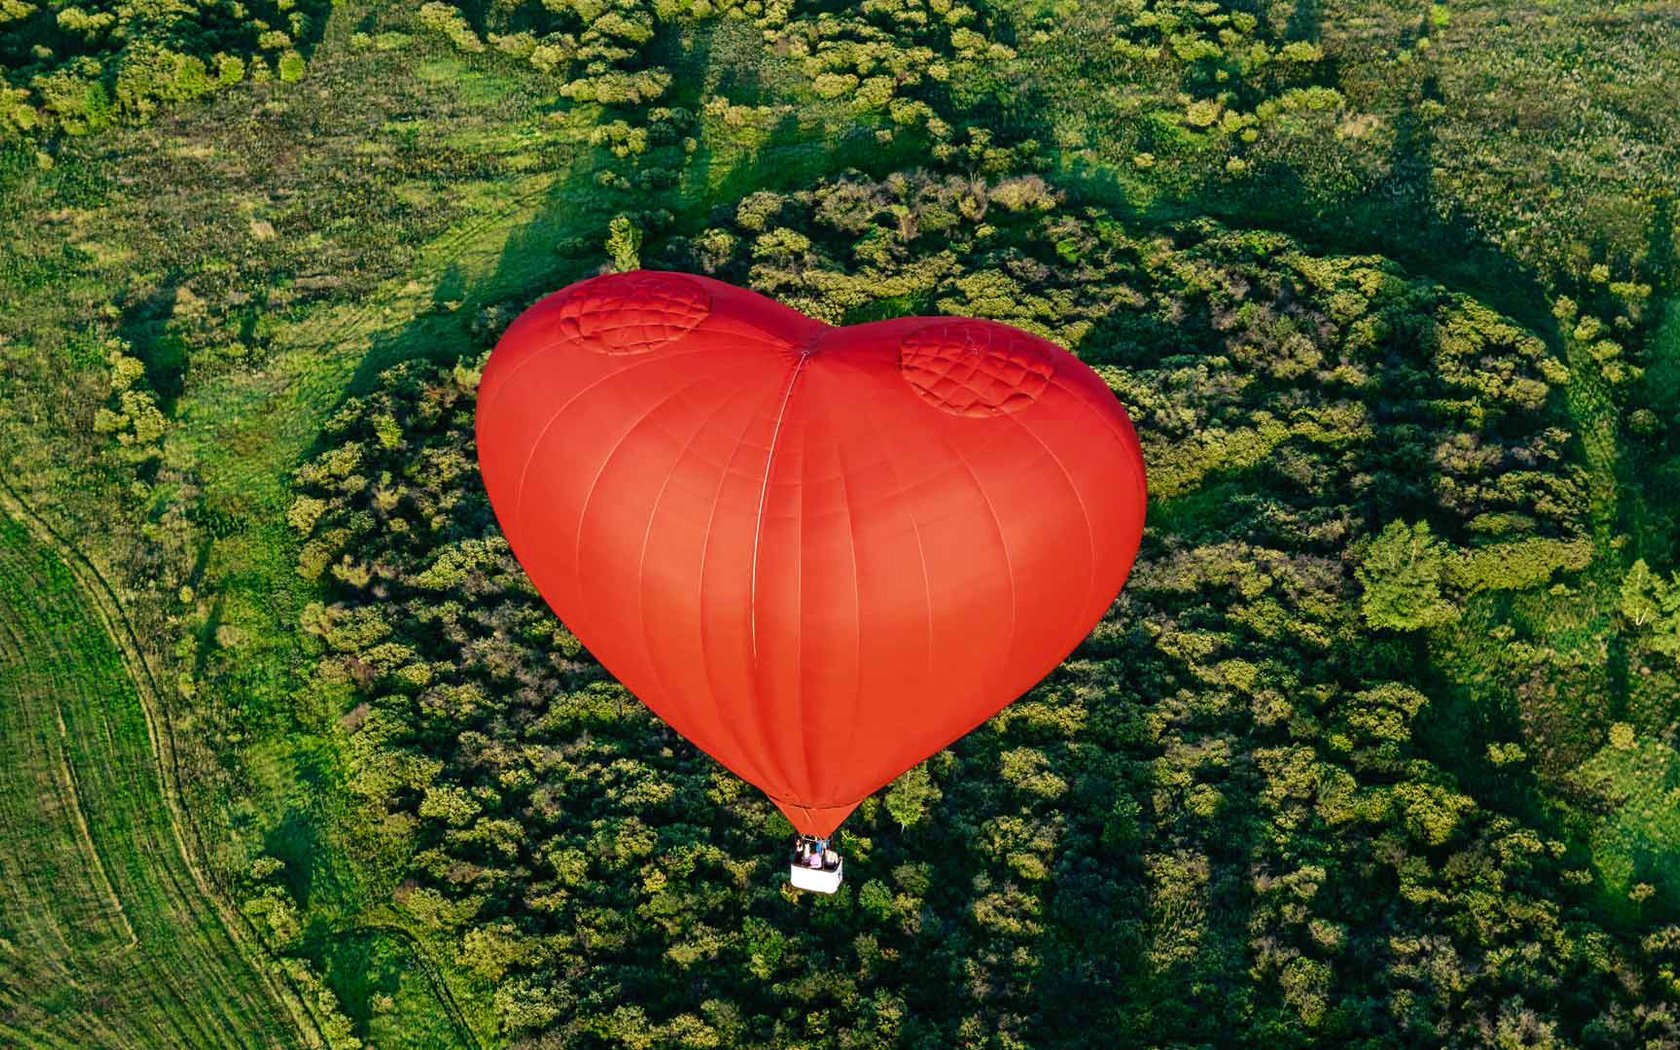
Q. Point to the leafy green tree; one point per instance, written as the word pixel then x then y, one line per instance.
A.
pixel 910 796
pixel 624 243
pixel 1401 573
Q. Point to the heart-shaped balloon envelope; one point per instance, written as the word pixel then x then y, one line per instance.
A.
pixel 821 554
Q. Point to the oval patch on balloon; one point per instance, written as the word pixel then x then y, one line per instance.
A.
pixel 635 314
pixel 973 368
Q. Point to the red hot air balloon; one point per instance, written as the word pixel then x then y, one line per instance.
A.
pixel 821 554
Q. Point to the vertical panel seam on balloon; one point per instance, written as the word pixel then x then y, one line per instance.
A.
pixel 1003 544
pixel 1125 432
pixel 1079 497
pixel 705 547
pixel 857 587
pixel 763 499
pixel 758 535
pixel 803 753
pixel 641 561
pixel 811 784
pixel 921 556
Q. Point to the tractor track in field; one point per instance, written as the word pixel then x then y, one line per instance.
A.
pixel 72 924
pixel 188 839
pixel 67 774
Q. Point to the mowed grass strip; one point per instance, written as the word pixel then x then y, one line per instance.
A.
pixel 105 938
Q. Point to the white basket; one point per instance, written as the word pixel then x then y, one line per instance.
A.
pixel 815 879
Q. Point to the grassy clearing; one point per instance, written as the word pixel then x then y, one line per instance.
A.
pixel 106 937
pixel 1640 841
pixel 395 990
pixel 1656 534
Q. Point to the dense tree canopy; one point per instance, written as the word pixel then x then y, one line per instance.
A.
pixel 77 67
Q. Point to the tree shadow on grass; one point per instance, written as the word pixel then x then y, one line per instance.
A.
pixel 295 841
pixel 145 328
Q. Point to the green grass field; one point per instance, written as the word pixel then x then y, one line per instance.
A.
pixel 108 935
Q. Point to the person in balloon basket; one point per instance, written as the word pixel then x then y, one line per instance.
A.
pixel 815 853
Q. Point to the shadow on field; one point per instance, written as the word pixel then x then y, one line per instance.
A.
pixel 145 328
pixel 669 193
